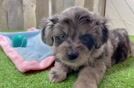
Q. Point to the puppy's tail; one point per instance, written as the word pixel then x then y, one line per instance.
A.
pixel 132 49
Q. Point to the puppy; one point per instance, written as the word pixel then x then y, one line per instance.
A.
pixel 82 41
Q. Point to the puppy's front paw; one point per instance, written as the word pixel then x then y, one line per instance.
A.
pixel 56 75
pixel 84 85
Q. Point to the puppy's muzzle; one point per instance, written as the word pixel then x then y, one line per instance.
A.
pixel 72 55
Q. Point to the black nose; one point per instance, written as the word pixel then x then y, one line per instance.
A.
pixel 72 55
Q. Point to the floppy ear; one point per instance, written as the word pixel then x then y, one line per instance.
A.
pixel 47 31
pixel 104 33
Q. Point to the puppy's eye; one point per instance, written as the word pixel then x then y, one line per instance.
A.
pixel 87 40
pixel 60 38
pixel 84 19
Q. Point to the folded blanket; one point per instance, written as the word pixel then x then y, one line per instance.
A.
pixel 35 55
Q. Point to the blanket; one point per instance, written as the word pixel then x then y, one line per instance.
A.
pixel 33 55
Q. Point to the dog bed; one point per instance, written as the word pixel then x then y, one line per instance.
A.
pixel 35 55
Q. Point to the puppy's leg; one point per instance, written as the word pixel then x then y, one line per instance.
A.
pixel 89 77
pixel 58 73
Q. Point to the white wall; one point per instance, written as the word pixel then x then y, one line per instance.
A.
pixel 121 14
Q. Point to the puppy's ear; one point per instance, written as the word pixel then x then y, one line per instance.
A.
pixel 47 31
pixel 104 33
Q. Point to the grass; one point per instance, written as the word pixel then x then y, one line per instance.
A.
pixel 119 76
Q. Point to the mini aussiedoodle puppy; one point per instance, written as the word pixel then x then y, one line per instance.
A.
pixel 82 41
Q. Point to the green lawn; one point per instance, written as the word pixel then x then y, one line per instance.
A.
pixel 119 76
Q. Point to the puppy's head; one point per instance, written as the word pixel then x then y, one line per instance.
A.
pixel 75 34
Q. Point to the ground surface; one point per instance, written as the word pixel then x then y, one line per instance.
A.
pixel 119 76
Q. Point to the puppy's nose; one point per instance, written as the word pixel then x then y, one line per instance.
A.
pixel 72 55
